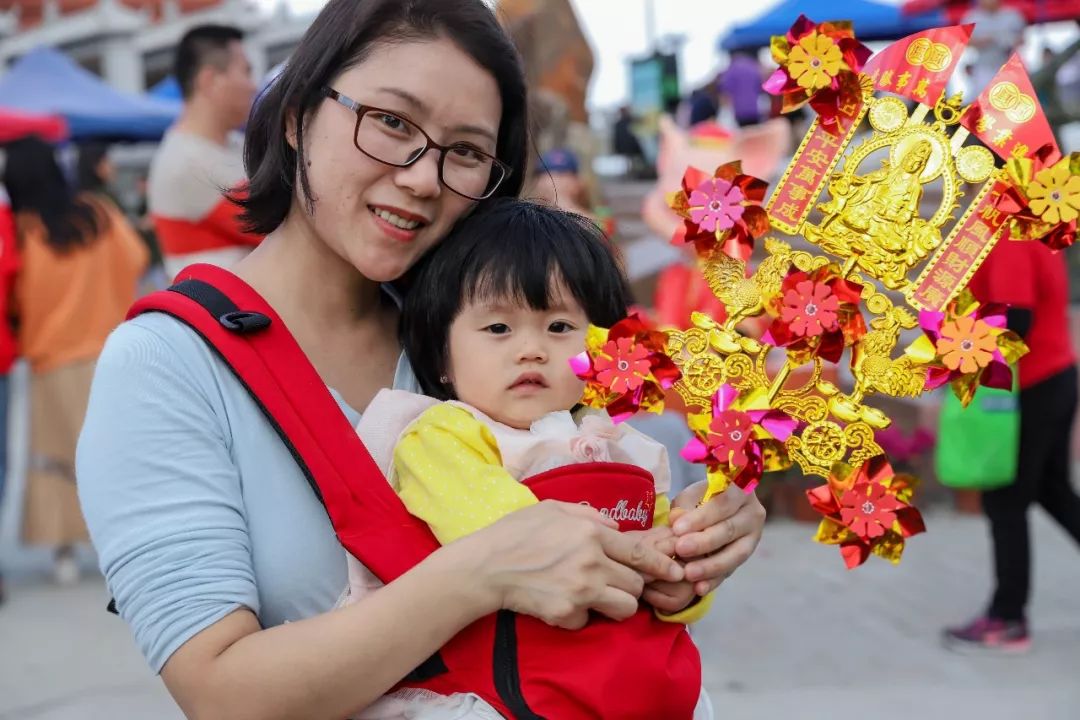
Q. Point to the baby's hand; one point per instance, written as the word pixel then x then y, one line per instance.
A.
pixel 669 597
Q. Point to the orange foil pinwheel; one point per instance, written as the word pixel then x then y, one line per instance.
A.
pixel 968 345
pixel 625 368
pixel 1043 201
pixel 720 211
pixel 819 65
pixel 867 511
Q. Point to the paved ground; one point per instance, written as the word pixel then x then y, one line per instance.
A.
pixel 794 635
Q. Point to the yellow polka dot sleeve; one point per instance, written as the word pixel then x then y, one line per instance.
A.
pixel 450 474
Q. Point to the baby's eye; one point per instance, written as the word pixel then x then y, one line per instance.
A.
pixel 561 326
pixel 498 329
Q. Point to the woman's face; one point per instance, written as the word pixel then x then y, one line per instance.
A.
pixel 361 203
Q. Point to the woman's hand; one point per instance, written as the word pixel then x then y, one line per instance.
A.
pixel 718 537
pixel 557 561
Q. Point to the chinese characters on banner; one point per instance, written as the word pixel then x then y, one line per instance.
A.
pixel 961 254
pixel 919 66
pixel 1007 117
pixel 814 161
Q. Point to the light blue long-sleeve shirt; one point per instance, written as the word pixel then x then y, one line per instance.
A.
pixel 194 505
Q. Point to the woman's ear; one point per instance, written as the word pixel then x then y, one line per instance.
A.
pixel 290 127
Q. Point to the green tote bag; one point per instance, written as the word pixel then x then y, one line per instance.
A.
pixel 977 446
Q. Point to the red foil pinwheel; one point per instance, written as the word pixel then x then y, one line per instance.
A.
pixel 739 439
pixel 816 315
pixel 625 368
pixel 819 65
pixel 968 345
pixel 866 511
pixel 1043 204
pixel 720 211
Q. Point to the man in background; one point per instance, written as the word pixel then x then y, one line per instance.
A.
pixel 195 163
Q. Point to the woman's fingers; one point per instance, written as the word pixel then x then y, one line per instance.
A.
pixel 616 604
pixel 721 521
pixel 639 552
pixel 700 516
pixel 624 578
pixel 709 571
pixel 589 512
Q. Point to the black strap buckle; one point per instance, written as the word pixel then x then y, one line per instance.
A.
pixel 243 322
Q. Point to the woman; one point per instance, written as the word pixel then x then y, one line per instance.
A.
pixel 1033 282
pixel 80 264
pixel 217 552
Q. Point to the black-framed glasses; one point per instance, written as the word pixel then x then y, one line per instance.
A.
pixel 393 139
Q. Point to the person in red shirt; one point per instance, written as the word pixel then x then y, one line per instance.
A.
pixel 1033 281
pixel 8 265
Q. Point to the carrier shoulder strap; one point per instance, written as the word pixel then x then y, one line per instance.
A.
pixel 240 326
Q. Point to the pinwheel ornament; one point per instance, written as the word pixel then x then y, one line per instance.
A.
pixel 867 511
pixel 967 345
pixel 739 439
pixel 720 211
pixel 819 65
pixel 625 368
pixel 1043 204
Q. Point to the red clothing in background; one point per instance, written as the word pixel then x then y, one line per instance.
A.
pixel 9 264
pixel 1026 274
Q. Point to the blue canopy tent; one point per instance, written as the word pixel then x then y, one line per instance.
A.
pixel 47 81
pixel 167 90
pixel 872 21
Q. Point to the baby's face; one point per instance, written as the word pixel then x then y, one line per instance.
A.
pixel 513 363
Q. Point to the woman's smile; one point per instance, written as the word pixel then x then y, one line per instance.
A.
pixel 398 224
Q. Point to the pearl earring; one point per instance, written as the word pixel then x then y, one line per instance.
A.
pixel 444 380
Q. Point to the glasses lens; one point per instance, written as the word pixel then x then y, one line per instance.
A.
pixel 470 172
pixel 389 138
pixel 394 140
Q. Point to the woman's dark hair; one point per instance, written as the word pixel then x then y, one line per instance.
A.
pixel 36 184
pixel 507 250
pixel 88 176
pixel 342 36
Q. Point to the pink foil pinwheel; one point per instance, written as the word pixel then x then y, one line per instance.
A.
pixel 816 315
pixel 722 211
pixel 739 439
pixel 625 368
pixel 819 65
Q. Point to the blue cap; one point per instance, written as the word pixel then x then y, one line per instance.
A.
pixel 558 160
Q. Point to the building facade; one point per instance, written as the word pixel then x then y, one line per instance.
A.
pixel 131 43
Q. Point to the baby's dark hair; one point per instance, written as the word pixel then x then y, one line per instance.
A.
pixel 507 250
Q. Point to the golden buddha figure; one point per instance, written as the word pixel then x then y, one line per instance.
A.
pixel 874 218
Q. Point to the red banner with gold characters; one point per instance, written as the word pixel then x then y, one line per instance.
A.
pixel 919 66
pixel 1007 117
pixel 967 246
pixel 809 170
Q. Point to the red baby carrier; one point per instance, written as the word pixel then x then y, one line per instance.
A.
pixel 638 669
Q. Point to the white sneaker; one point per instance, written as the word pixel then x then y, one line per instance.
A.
pixel 65 571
